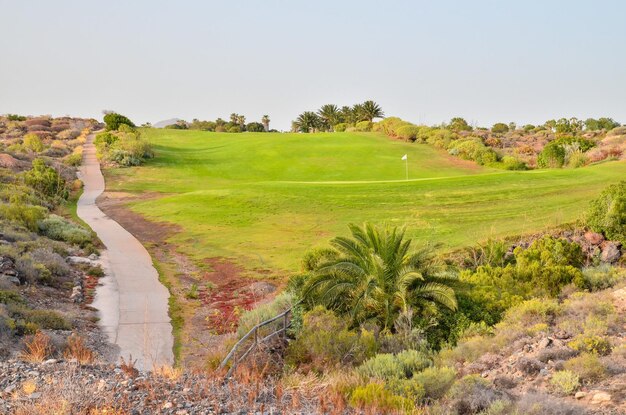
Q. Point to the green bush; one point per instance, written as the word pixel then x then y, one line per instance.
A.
pixel 607 213
pixel 45 319
pixel 552 156
pixel 364 126
pixel 105 139
pixel 33 143
pixel 408 132
pixel 512 163
pixel 25 215
pixel 341 127
pixel 565 382
pixel 374 396
pixel 387 366
pixel 407 388
pixel 59 229
pixel 114 120
pixel 10 297
pixel 234 129
pixel 601 277
pixel 587 366
pixel 326 342
pixel 591 343
pixel 264 312
pixel 500 128
pixel 473 149
pixel 436 381
pixel 45 180
pixel 577 159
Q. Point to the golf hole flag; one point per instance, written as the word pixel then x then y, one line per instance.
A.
pixel 406 164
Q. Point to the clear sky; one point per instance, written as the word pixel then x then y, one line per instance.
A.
pixel 425 61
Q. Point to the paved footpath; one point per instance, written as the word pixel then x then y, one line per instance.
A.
pixel 132 303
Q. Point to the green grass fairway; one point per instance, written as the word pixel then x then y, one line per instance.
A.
pixel 265 199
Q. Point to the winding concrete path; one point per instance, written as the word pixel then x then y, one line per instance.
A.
pixel 132 303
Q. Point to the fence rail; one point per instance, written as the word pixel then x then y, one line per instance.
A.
pixel 254 333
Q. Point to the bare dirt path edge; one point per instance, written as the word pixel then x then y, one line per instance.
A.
pixel 132 303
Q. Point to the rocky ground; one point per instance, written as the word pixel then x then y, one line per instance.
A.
pixel 58 386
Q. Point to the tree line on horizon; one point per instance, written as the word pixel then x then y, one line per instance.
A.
pixel 331 117
pixel 235 124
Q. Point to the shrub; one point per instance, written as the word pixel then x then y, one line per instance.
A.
pixel 565 382
pixel 114 120
pixel 75 159
pixel 607 213
pixel 577 159
pixel 512 163
pixel 387 366
pixel 374 396
pixel 33 143
pixel 408 132
pixel 10 297
pixel 552 156
pixel 591 343
pixel 364 126
pixel 20 213
pixel 341 127
pixel 500 128
pixel 326 342
pixel 255 127
pixel 407 388
pixel 59 229
pixel 37 348
pixel 601 277
pixel 251 318
pixel 104 139
pixel 473 149
pixel 234 129
pixel 46 180
pixel 51 260
pixel 76 349
pixel 436 381
pixel 472 394
pixel 46 319
pixel 587 366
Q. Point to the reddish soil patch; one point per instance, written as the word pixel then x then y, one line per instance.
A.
pixel 230 296
pixel 89 288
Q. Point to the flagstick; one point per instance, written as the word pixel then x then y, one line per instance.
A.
pixel 406 162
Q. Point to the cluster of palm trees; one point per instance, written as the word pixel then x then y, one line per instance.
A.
pixel 376 276
pixel 330 115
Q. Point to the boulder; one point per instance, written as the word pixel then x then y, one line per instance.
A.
pixel 594 238
pixel 611 252
pixel 80 260
pixel 600 398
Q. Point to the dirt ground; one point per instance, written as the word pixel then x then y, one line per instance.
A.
pixel 209 302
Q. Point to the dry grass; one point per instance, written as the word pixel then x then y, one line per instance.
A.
pixel 76 349
pixel 128 366
pixel 37 348
pixel 168 372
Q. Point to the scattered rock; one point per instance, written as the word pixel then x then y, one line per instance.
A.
pixel 545 342
pixel 50 362
pixel 594 238
pixel 600 398
pixel 580 395
pixel 80 260
pixel 611 252
pixel 93 257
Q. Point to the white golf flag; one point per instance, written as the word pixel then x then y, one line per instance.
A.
pixel 405 157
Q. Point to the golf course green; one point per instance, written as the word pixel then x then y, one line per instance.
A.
pixel 264 199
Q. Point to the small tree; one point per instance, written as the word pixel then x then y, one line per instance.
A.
pixel 266 122
pixel 500 128
pixel 45 180
pixel 255 127
pixel 113 121
pixel 607 213
pixel 459 124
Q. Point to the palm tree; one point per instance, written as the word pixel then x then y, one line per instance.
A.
pixel 376 276
pixel 306 122
pixel 241 120
pixel 371 110
pixel 329 115
pixel 358 114
pixel 266 122
pixel 234 117
pixel 347 115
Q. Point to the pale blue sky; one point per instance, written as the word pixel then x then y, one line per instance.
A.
pixel 426 61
